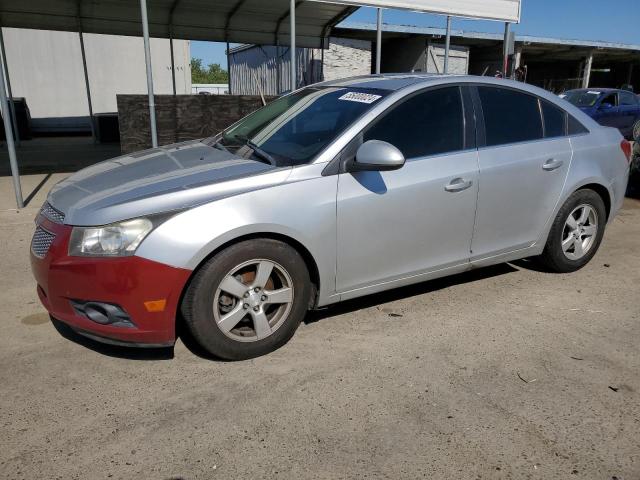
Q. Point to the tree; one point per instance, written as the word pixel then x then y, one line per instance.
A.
pixel 212 74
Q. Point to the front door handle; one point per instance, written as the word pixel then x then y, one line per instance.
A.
pixel 458 184
pixel 552 164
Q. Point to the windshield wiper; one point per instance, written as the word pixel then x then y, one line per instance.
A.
pixel 261 154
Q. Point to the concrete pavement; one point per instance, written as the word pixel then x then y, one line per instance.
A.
pixel 504 372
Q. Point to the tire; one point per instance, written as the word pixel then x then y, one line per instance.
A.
pixel 556 257
pixel 228 300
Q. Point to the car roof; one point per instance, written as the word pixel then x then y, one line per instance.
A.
pixel 595 89
pixel 392 81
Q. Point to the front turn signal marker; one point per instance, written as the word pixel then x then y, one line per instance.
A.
pixel 155 305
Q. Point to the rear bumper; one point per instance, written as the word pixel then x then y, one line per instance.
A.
pixel 127 282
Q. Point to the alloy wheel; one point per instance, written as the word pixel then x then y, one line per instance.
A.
pixel 253 300
pixel 580 231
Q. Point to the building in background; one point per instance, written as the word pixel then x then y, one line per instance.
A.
pixel 256 69
pixel 45 68
pixel 552 63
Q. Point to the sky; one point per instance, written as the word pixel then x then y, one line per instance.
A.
pixel 612 21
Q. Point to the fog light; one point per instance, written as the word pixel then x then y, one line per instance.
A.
pixel 103 313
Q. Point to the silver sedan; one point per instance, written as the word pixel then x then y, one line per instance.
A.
pixel 335 191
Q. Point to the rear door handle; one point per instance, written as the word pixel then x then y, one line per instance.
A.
pixel 552 164
pixel 458 184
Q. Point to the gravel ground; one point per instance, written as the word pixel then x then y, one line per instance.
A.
pixel 504 372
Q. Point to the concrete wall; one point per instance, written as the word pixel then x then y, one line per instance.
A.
pixel 347 58
pixel 45 67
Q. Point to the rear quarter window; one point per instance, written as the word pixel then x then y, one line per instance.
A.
pixel 555 120
pixel 574 127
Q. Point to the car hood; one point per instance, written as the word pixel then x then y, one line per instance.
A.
pixel 156 181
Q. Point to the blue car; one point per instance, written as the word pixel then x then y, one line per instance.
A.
pixel 607 106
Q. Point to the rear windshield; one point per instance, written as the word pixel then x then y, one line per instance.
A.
pixel 294 129
pixel 582 98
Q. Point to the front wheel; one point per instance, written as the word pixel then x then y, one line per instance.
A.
pixel 576 232
pixel 247 300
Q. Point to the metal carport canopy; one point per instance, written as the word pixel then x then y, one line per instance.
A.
pixel 502 10
pixel 241 21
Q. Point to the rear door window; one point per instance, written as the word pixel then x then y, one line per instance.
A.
pixel 510 116
pixel 611 99
pixel 428 123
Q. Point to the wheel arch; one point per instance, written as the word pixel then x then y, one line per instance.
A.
pixel 588 184
pixel 601 190
pixel 304 252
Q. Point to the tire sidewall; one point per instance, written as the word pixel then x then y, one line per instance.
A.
pixel 199 302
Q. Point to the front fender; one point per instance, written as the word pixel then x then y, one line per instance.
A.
pixel 302 210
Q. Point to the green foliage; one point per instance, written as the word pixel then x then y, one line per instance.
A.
pixel 211 74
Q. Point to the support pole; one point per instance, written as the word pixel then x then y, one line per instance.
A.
pixel 629 75
pixel 292 19
pixel 173 63
pixel 587 71
pixel 147 61
pixel 505 50
pixel 379 42
pixel 12 107
pixel 87 86
pixel 8 129
pixel 229 68
pixel 447 45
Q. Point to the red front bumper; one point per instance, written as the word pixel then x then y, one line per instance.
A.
pixel 128 282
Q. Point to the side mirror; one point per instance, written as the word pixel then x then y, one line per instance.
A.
pixel 605 106
pixel 376 155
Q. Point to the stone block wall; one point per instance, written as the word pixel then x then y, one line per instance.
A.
pixel 179 118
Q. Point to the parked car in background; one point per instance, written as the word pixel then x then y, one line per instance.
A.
pixel 335 191
pixel 607 106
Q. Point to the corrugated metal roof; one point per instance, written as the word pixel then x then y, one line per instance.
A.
pixel 412 29
pixel 501 10
pixel 238 21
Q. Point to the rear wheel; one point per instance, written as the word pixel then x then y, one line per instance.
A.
pixel 247 300
pixel 576 232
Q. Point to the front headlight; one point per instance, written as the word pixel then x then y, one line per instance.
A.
pixel 117 240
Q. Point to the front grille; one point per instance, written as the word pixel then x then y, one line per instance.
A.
pixel 51 213
pixel 41 242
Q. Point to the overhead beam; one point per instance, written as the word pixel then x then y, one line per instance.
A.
pixel 230 15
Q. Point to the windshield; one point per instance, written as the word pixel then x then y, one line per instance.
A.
pixel 582 98
pixel 292 130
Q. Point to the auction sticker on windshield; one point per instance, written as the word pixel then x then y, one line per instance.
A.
pixel 360 97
